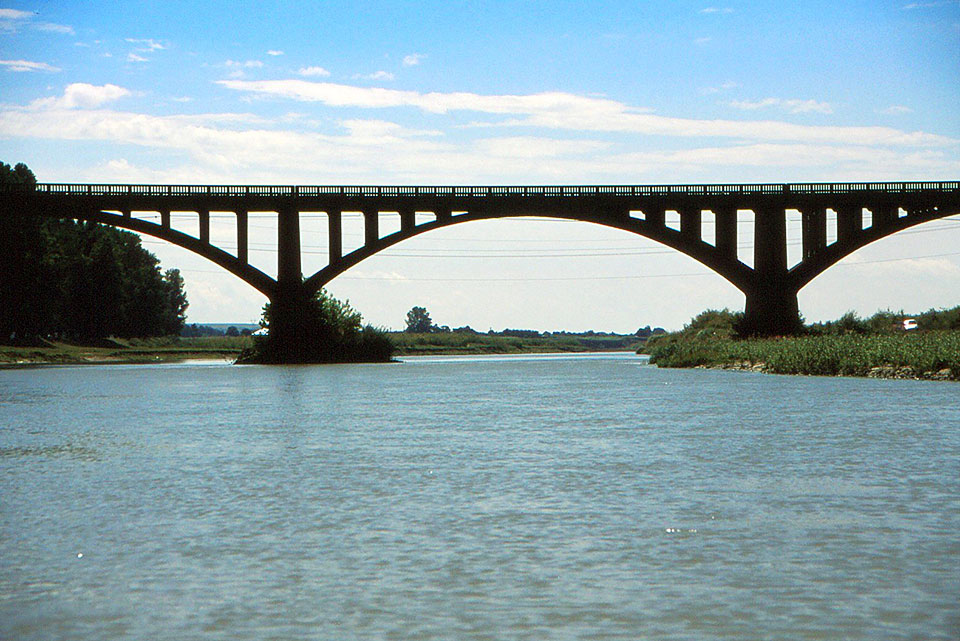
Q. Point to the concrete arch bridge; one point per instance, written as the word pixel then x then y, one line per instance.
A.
pixel 837 219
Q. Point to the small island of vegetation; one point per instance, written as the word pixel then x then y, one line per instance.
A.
pixel 326 330
pixel 878 346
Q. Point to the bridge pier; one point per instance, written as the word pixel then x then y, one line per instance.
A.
pixel 289 306
pixel 771 308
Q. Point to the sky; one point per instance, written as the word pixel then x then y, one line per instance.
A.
pixel 500 93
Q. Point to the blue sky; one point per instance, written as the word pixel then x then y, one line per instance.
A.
pixel 500 93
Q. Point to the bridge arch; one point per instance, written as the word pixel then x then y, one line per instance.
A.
pixel 737 273
pixel 243 270
pixel 881 228
pixel 902 283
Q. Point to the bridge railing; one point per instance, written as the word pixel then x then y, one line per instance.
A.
pixel 74 189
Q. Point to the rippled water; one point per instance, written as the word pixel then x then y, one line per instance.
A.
pixel 475 498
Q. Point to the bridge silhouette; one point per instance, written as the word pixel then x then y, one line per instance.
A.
pixel 769 284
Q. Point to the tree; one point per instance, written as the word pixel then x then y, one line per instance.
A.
pixel 233 331
pixel 418 321
pixel 175 302
pixel 21 249
pixel 325 329
pixel 79 280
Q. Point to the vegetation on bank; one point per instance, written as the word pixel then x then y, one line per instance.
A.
pixel 79 281
pixel 508 342
pixel 850 346
pixel 116 350
pixel 423 336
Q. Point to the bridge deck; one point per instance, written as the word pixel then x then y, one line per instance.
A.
pixel 492 192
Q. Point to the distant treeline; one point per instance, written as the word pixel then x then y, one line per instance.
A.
pixel 80 281
pixel 200 331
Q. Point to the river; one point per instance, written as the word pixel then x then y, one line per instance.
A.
pixel 523 497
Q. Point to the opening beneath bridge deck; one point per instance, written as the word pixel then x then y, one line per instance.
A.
pixel 831 226
pixel 314 241
pixel 315 236
pixel 671 219
pixel 223 230
pixel 745 235
pixel 905 271
pixel 708 227
pixel 794 229
pixel 501 273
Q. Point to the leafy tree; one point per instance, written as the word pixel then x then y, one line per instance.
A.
pixel 175 302
pixel 80 280
pixel 325 330
pixel 20 251
pixel 713 323
pixel 419 322
pixel 233 331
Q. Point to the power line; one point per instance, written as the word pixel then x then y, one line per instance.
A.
pixel 598 252
pixel 584 278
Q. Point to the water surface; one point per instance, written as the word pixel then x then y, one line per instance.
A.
pixel 537 497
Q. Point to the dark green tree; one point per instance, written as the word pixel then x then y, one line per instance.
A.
pixel 21 248
pixel 175 303
pixel 321 329
pixel 79 280
pixel 419 322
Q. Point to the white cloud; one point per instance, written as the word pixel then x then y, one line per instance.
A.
pixel 727 86
pixel 53 28
pixel 722 10
pixel 376 75
pixel 793 106
pixel 27 65
pixel 702 41
pixel 929 5
pixel 274 52
pixel 536 147
pixel 895 110
pixel 15 14
pixel 12 19
pixel 558 110
pixel 313 71
pixel 146 44
pixel 413 59
pixel 82 95
pixel 133 57
pixel 232 147
pixel 249 64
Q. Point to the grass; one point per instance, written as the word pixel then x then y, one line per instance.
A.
pixel 471 343
pixel 143 350
pixel 919 354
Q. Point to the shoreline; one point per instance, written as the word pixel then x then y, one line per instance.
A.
pixel 886 372
pixel 931 355
pixel 16 357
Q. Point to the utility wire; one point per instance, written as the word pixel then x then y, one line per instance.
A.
pixel 582 278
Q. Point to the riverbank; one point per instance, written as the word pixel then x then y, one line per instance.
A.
pixel 132 351
pixel 452 343
pixel 933 355
pixel 178 348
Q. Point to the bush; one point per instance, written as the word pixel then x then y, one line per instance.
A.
pixel 317 329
